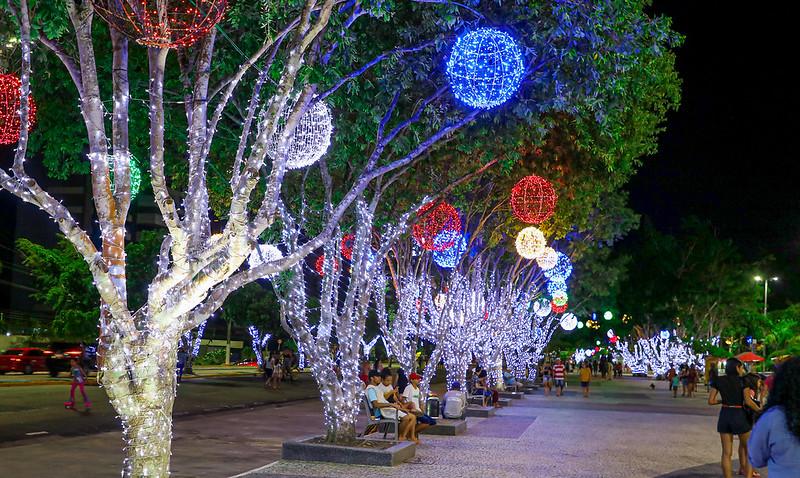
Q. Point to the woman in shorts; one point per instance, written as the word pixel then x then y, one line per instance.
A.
pixel 547 378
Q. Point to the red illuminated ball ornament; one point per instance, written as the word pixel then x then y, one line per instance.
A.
pixel 347 246
pixel 438 227
pixel 533 199
pixel 162 23
pixel 9 109
pixel 320 264
pixel 558 309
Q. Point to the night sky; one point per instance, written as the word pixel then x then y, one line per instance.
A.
pixel 728 154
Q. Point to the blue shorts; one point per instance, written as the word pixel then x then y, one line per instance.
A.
pixel 426 419
pixel 560 382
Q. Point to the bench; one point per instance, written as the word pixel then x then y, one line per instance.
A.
pixel 374 423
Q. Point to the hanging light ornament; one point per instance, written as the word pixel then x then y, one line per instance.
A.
pixel 319 265
pixel 10 104
pixel 548 259
pixel 135 173
pixel 309 141
pixel 568 321
pixel 438 227
pixel 542 307
pixel 560 298
pixel 580 325
pixel 162 23
pixel 530 243
pixel 448 258
pixel 348 241
pixel 263 254
pixel 533 199
pixel 555 286
pixel 558 309
pixel 562 269
pixel 485 68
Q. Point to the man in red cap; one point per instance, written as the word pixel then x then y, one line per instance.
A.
pixel 413 396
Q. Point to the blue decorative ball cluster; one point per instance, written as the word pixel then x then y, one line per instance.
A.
pixel 485 68
pixel 554 286
pixel 562 270
pixel 448 258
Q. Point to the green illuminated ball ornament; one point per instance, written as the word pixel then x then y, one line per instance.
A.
pixel 608 315
pixel 560 298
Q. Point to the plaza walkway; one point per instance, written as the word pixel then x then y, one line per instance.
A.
pixel 624 430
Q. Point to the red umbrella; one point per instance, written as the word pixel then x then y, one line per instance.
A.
pixel 749 357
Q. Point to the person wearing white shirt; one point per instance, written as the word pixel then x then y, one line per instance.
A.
pixel 455 401
pixel 377 396
pixel 412 395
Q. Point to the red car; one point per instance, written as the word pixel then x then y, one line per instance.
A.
pixel 25 359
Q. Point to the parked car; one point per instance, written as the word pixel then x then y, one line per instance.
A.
pixel 60 353
pixel 24 359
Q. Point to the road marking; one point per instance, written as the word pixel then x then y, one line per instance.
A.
pixel 36 433
pixel 254 470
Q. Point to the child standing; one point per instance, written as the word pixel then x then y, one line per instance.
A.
pixel 78 380
pixel 676 380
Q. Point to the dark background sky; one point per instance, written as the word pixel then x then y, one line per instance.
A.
pixel 728 154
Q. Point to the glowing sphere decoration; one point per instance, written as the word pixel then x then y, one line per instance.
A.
pixel 319 265
pixel 555 286
pixel 542 307
pixel 530 242
pixel 664 334
pixel 485 68
pixel 448 258
pixel 608 315
pixel 309 141
pixel 560 297
pixel 10 104
pixel 558 309
pixel 548 259
pixel 533 199
pixel 135 172
pixel 568 321
pixel 438 227
pixel 162 23
pixel 562 269
pixel 610 333
pixel 580 325
pixel 348 241
pixel 263 254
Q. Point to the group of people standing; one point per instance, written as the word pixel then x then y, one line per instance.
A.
pixel 687 378
pixel 279 365
pixel 764 416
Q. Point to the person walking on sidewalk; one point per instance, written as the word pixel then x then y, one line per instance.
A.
pixel 79 381
pixel 181 364
pixel 559 375
pixel 586 377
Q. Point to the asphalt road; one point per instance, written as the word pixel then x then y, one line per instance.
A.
pixel 37 411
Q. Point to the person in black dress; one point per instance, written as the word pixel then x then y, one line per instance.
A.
pixel 729 391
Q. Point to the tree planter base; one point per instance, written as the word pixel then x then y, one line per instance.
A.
pixel 303 449
pixel 504 402
pixel 447 427
pixel 512 395
pixel 479 412
pixel 530 390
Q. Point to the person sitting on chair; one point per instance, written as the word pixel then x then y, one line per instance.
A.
pixel 382 408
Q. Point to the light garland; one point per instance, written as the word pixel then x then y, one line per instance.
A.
pixel 309 141
pixel 134 171
pixel 533 199
pixel 162 23
pixel 485 68
pixel 530 242
pixel 10 91
pixel 264 254
pixel 438 226
pixel 547 259
pixel 259 342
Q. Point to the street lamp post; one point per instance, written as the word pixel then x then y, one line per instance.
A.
pixel 766 289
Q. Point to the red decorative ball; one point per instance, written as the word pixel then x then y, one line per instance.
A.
pixel 438 227
pixel 348 241
pixel 533 199
pixel 162 23
pixel 320 264
pixel 557 309
pixel 9 109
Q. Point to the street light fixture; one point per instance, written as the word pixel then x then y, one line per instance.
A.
pixel 766 288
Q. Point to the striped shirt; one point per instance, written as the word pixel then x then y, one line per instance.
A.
pixel 558 371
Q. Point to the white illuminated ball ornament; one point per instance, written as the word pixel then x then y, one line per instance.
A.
pixel 610 333
pixel 664 334
pixel 580 325
pixel 568 321
pixel 263 254
pixel 530 243
pixel 608 315
pixel 548 259
pixel 542 307
pixel 309 141
pixel 485 68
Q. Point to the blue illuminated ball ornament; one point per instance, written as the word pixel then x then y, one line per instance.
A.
pixel 449 257
pixel 485 68
pixel 555 286
pixel 562 270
